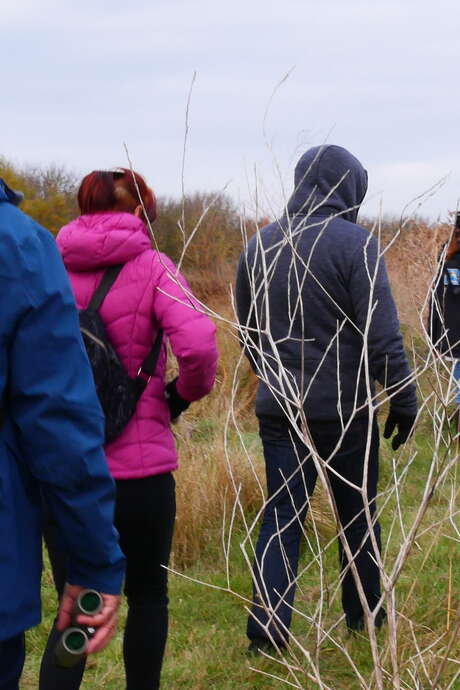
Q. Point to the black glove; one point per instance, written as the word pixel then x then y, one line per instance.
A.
pixel 177 405
pixel 405 423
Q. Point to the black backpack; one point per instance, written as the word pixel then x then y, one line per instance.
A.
pixel 118 393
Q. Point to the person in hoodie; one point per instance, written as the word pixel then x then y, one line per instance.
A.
pixel 317 318
pixel 149 294
pixel 444 316
pixel 51 436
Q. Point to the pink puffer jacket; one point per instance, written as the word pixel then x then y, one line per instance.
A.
pixel 147 295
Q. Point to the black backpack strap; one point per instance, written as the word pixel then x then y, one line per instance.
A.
pixel 104 286
pixel 149 364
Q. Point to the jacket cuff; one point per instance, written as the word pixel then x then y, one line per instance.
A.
pixel 107 580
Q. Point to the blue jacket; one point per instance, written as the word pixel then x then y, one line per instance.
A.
pixel 52 428
pixel 303 289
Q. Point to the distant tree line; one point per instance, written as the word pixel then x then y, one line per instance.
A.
pixel 212 219
pixel 212 222
pixel 49 193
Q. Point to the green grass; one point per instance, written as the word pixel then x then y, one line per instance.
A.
pixel 207 642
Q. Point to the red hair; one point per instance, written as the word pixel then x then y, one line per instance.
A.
pixel 116 190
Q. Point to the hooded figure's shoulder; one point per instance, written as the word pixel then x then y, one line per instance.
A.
pixel 352 232
pixel 267 237
pixel 334 233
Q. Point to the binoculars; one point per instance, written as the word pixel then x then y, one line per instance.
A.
pixel 73 642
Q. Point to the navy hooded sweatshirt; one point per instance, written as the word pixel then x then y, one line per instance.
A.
pixel 307 285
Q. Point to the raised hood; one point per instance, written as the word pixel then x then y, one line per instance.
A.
pixel 94 241
pixel 320 170
pixel 10 195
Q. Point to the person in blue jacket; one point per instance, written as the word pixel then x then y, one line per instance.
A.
pixel 320 327
pixel 51 437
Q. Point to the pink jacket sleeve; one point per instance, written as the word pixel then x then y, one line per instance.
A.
pixel 191 333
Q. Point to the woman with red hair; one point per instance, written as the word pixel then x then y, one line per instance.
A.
pixel 148 296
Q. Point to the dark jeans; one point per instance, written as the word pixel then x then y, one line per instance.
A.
pixel 277 550
pixel 144 516
pixel 12 655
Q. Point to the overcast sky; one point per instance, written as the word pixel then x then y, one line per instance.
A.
pixel 379 77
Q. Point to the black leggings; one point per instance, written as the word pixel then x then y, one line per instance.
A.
pixel 144 516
